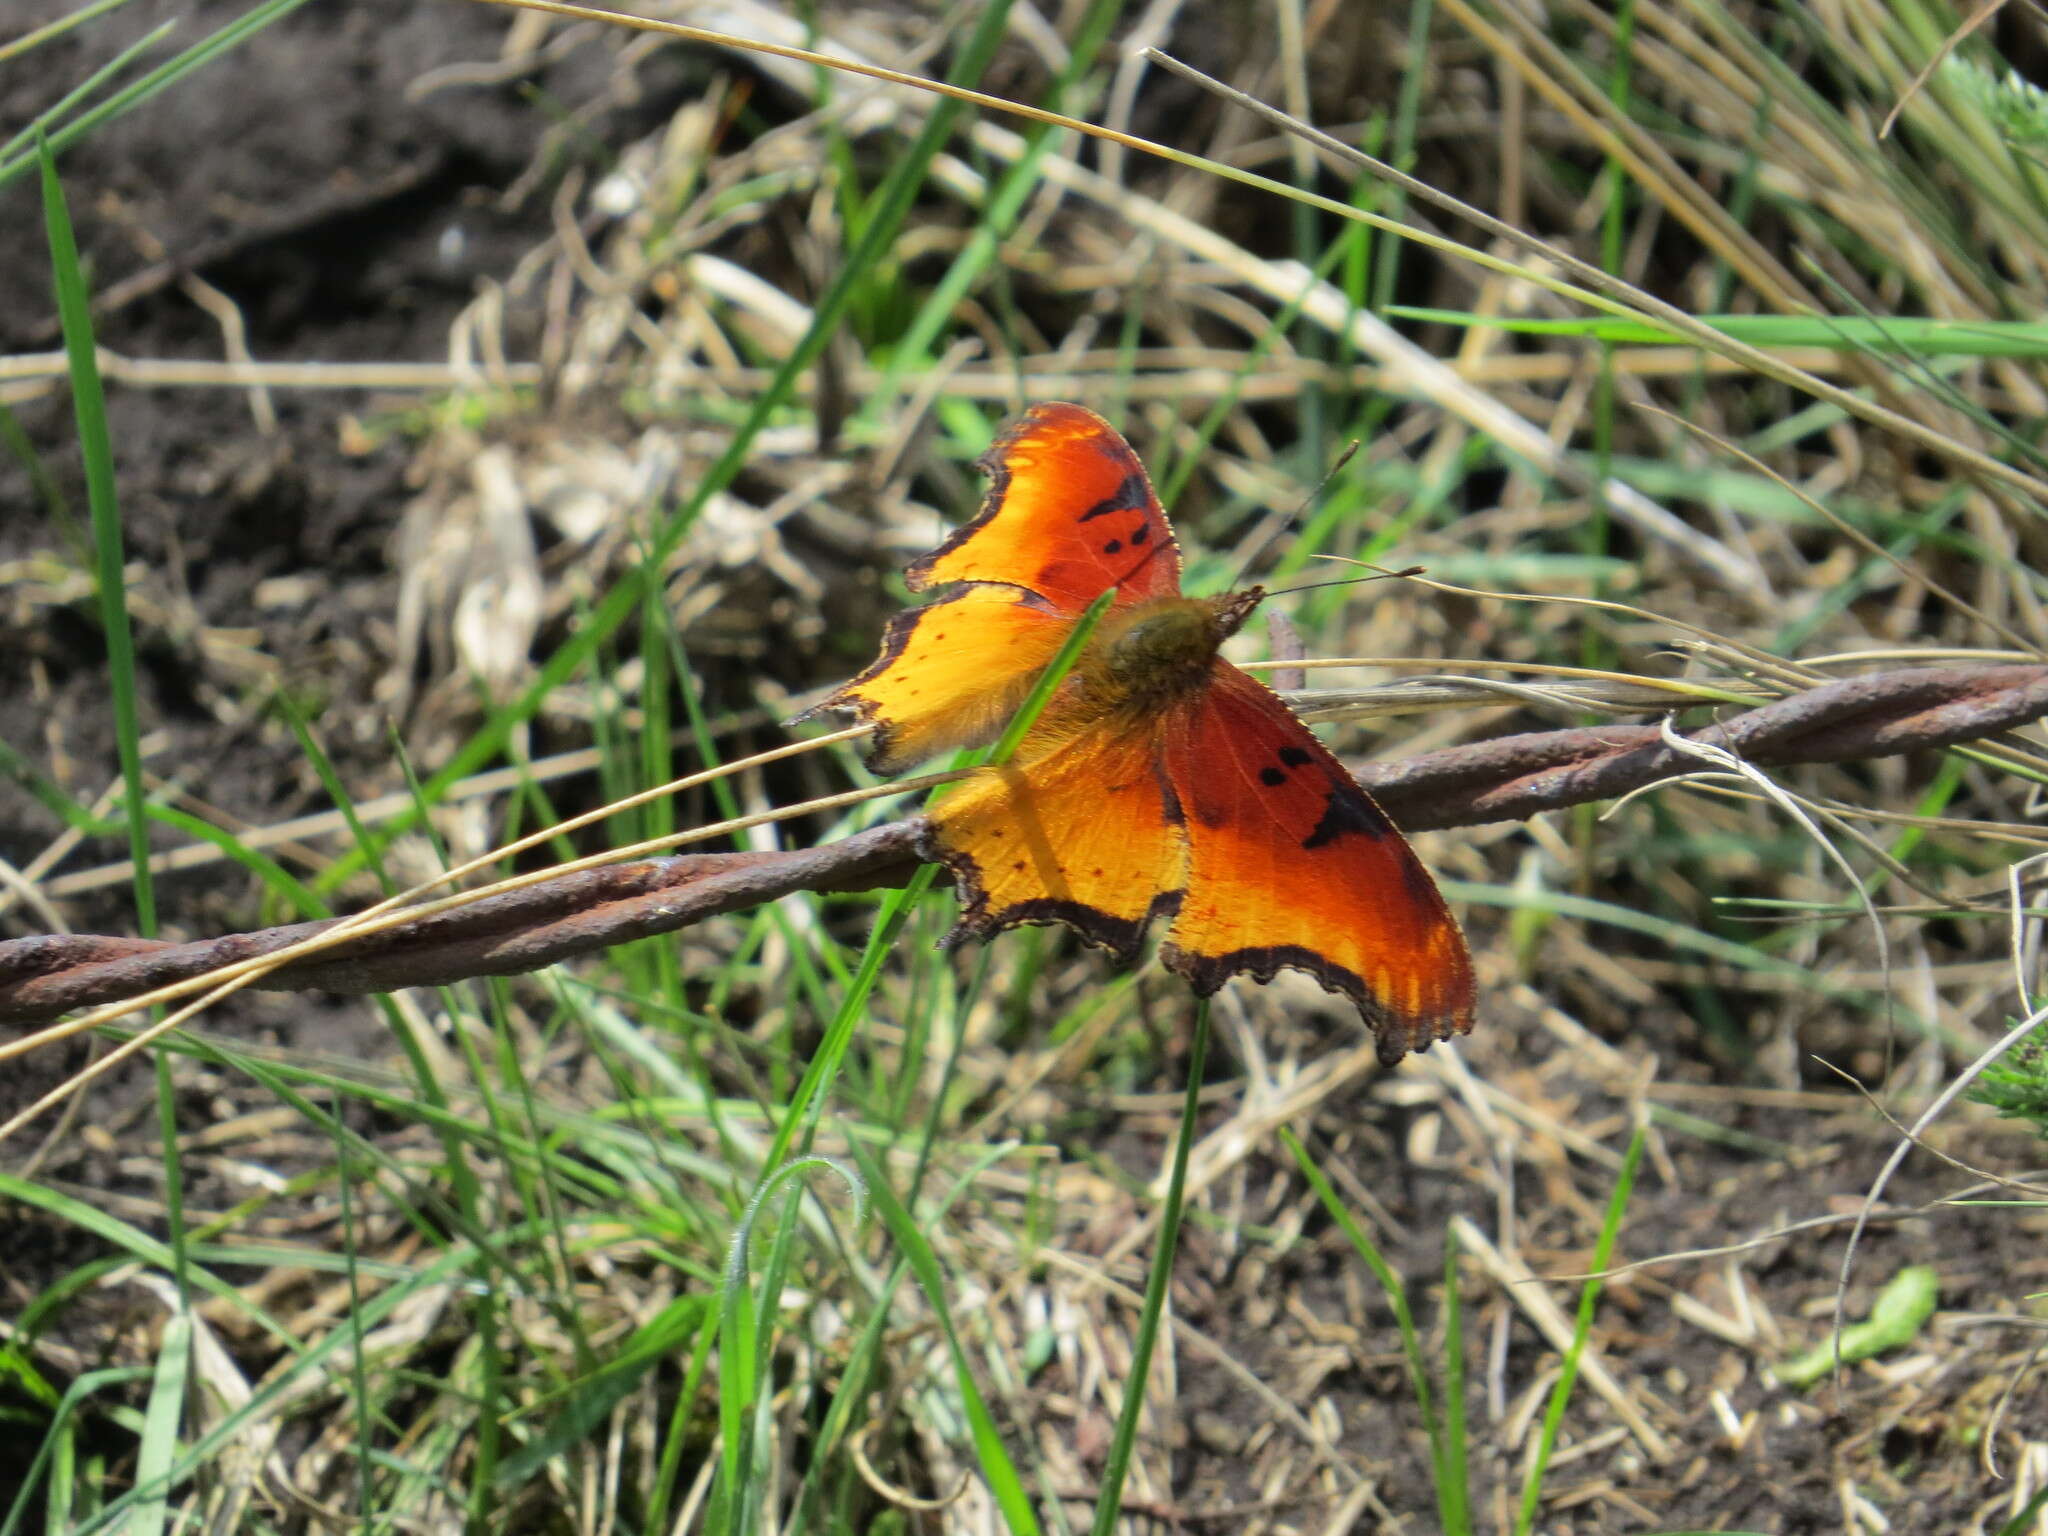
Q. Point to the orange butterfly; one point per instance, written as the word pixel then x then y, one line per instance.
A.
pixel 1159 780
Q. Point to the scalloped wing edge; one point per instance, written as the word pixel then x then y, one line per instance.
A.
pixel 1122 938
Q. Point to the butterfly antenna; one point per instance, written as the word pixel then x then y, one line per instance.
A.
pixel 1353 581
pixel 1276 526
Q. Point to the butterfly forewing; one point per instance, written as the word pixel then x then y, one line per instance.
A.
pixel 1068 515
pixel 951 674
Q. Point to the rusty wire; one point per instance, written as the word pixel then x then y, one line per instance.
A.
pixel 1509 778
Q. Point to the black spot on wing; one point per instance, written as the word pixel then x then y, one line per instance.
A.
pixel 1132 496
pixel 1176 813
pixel 1347 812
pixel 1140 534
pixel 1289 758
pixel 1113 547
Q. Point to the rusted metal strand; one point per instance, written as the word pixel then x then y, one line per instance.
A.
pixel 1883 714
pixel 1508 778
pixel 43 978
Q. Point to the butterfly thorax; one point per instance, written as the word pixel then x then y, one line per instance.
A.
pixel 1157 651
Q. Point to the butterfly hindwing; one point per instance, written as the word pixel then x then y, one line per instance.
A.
pixel 1069 514
pixel 1291 864
pixel 1076 829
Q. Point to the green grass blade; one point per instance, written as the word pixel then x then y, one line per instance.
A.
pixel 746 1326
pixel 89 406
pixel 46 121
pixel 1049 680
pixel 52 30
pixel 156 1452
pixel 1902 335
pixel 914 348
pixel 281 883
pixel 1453 1478
pixel 19 770
pixel 1415 76
pixel 850 1397
pixel 582 1406
pixel 57 1450
pixel 1404 1318
pixel 2022 1523
pixel 996 1466
pixel 1116 1465
pixel 168 73
pixel 1589 1296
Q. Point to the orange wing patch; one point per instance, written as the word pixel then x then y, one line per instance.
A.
pixel 1292 865
pixel 1080 832
pixel 1068 515
pixel 950 674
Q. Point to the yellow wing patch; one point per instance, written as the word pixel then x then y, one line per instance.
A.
pixel 951 674
pixel 1078 833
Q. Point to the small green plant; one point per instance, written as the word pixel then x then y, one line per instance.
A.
pixel 2015 104
pixel 1896 1318
pixel 2017 1085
